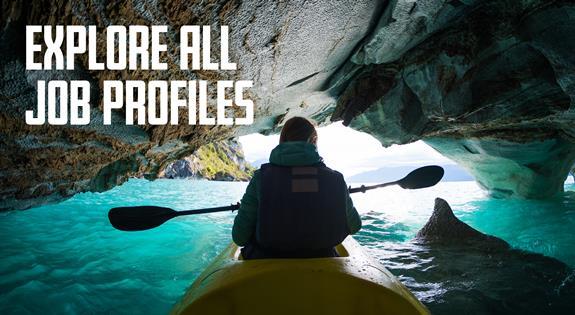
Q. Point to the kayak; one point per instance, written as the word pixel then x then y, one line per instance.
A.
pixel 350 284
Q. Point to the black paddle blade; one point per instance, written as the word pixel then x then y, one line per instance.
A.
pixel 422 177
pixel 139 218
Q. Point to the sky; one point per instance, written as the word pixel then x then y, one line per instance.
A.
pixel 351 152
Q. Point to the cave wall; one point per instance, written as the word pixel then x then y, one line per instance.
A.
pixel 497 80
pixel 488 74
pixel 533 169
pixel 288 48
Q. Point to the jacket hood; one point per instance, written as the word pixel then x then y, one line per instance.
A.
pixel 295 153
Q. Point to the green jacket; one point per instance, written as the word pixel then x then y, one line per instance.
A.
pixel 291 153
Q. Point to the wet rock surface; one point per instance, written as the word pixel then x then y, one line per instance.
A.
pixel 444 227
pixel 454 269
pixel 494 71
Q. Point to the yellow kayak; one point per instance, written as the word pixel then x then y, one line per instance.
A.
pixel 350 284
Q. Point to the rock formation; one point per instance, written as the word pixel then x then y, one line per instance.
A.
pixel 444 227
pixel 472 271
pixel 488 91
pixel 483 82
pixel 223 161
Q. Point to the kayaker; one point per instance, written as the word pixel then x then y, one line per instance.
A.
pixel 295 206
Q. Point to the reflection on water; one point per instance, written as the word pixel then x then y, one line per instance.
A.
pixel 66 258
pixel 459 278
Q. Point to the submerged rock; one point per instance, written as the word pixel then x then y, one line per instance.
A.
pixel 455 269
pixel 445 228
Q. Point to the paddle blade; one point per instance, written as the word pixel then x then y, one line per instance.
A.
pixel 422 177
pixel 139 218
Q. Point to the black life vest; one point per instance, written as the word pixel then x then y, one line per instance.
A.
pixel 302 211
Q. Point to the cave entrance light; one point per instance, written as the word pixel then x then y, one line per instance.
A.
pixel 355 154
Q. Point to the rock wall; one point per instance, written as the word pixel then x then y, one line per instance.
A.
pixel 223 161
pixel 490 84
pixel 532 169
pixel 497 72
pixel 50 163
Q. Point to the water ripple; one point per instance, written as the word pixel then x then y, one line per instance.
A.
pixel 66 258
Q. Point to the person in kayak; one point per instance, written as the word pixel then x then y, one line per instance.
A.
pixel 295 206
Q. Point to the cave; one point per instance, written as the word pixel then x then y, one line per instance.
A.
pixel 489 84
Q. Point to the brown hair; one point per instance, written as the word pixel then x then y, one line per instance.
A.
pixel 298 129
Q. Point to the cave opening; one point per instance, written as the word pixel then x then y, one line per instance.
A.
pixel 360 157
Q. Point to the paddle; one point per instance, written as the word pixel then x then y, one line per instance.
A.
pixel 422 177
pixel 141 218
pixel 147 217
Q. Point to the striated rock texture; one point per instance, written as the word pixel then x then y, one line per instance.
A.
pixel 487 83
pixel 289 49
pixel 223 161
pixel 497 73
pixel 506 168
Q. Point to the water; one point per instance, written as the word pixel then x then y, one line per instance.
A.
pixel 67 259
pixel 541 226
pixel 458 279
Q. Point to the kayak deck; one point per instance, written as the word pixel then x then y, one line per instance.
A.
pixel 350 284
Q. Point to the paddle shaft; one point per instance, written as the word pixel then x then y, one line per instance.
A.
pixel 147 217
pixel 208 210
pixel 364 188
pixel 236 206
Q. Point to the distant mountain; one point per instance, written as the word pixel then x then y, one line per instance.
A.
pixel 453 173
pixel 258 163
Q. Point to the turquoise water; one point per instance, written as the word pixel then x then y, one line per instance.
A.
pixel 541 226
pixel 67 259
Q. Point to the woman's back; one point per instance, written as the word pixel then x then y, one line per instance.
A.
pixel 295 206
